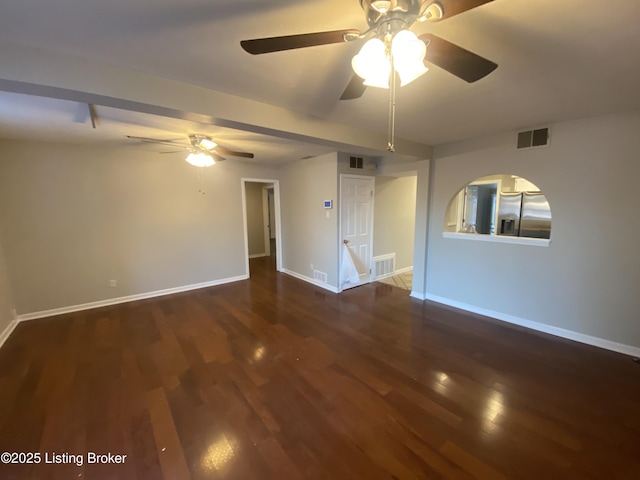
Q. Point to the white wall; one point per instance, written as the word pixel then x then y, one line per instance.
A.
pixel 308 235
pixel 255 218
pixel 394 218
pixel 6 301
pixel 587 280
pixel 75 217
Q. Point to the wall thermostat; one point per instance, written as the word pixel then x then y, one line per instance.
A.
pixel 328 204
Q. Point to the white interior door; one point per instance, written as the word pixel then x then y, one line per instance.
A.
pixel 356 225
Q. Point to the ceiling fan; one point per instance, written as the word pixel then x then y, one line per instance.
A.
pixel 387 43
pixel 203 151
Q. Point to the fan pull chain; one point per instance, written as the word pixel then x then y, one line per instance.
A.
pixel 392 108
pixel 200 173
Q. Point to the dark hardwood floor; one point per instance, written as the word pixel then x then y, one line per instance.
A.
pixel 273 378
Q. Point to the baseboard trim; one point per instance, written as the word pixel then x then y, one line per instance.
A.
pixel 403 270
pixel 258 255
pixel 326 286
pixel 129 298
pixel 540 327
pixel 418 295
pixel 395 272
pixel 6 333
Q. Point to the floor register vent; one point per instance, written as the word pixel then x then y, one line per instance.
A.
pixel 533 138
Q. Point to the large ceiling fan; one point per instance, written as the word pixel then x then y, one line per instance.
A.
pixel 391 46
pixel 203 151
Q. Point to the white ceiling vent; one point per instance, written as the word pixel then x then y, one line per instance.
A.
pixel 533 138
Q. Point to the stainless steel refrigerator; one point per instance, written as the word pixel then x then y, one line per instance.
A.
pixel 524 214
pixel 509 214
pixel 535 218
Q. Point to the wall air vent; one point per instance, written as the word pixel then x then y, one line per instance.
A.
pixel 533 138
pixel 384 266
pixel 320 276
pixel 356 162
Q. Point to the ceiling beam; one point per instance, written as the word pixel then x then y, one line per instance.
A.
pixel 37 72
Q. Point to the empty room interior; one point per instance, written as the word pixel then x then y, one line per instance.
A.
pixel 319 239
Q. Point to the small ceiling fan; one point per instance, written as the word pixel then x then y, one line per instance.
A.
pixel 204 152
pixel 391 45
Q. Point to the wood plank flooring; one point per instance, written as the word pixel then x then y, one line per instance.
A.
pixel 273 378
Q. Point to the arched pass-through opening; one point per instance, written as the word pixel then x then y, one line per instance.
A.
pixel 500 206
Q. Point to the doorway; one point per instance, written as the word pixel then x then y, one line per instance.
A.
pixel 481 207
pixel 261 217
pixel 394 229
pixel 356 229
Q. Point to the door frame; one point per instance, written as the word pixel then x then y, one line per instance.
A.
pixel 276 196
pixel 340 239
pixel 265 220
pixel 498 183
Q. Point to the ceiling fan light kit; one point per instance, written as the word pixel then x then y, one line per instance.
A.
pixel 200 159
pixel 408 56
pixel 373 63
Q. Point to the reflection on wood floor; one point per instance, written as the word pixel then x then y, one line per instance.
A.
pixel 273 378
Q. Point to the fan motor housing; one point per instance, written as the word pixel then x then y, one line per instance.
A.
pixel 406 10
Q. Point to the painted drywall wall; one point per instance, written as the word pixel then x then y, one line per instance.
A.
pixel 255 218
pixel 309 231
pixel 424 187
pixel 75 217
pixel 394 218
pixel 587 280
pixel 6 298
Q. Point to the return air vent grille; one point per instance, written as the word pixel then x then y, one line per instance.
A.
pixel 320 276
pixel 356 162
pixel 533 138
pixel 384 266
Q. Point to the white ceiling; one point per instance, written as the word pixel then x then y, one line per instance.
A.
pixel 557 60
pixel 27 117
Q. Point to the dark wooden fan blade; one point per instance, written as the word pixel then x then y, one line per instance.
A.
pixel 451 8
pixel 290 42
pixel 354 89
pixel 222 151
pixel 217 157
pixel 173 143
pixel 456 60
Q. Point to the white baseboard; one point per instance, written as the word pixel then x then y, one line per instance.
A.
pixel 326 286
pixel 403 270
pixel 4 335
pixel 258 255
pixel 418 295
pixel 540 327
pixel 395 272
pixel 129 298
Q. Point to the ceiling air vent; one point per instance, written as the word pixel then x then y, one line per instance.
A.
pixel 356 162
pixel 533 138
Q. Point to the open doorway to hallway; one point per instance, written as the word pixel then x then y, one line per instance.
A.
pixel 261 212
pixel 394 229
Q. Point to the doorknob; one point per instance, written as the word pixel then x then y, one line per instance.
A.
pixel 345 241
